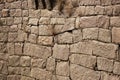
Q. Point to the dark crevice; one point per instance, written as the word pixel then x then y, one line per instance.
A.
pixel 36 4
pixel 44 4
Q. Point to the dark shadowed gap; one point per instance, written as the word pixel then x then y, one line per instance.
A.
pixel 44 5
pixel 36 4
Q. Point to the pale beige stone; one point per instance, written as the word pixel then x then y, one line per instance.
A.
pixel 61 52
pixel 34 30
pixel 90 33
pixel 104 35
pixel 14 60
pixel 33 21
pixel 99 10
pixel 60 78
pixel 84 60
pixel 116 69
pixel 32 38
pixel 89 2
pixel 25 61
pixel 60 21
pixel 104 49
pixel 82 73
pixel 50 64
pixel 62 68
pixel 90 10
pixel 42 74
pixel 14 70
pixel 81 47
pixel 45 40
pixel 26 78
pixel 104 64
pixel 115 21
pixel 44 20
pixel 18 48
pixel 64 38
pixel 25 71
pixel 115 35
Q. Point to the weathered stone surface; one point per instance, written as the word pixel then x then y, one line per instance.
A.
pixel 87 2
pixel 106 2
pixel 116 69
pixel 25 61
pixel 25 71
pixel 34 30
pixel 60 78
pixel 3 36
pixel 90 33
pixel 80 11
pixel 116 10
pixel 87 22
pixel 77 35
pixel 18 48
pixel 81 73
pixel 99 10
pixel 90 10
pixel 14 70
pixel 32 38
pixel 13 77
pixel 115 21
pixel 104 35
pixel 81 47
pixel 57 21
pixel 41 74
pixel 33 21
pixel 38 63
pixel 12 36
pixel 14 60
pixel 45 30
pixel 84 60
pixel 64 38
pixel 105 49
pixel 61 52
pixel 34 13
pixel 42 52
pixel 26 78
pixel 107 76
pixel 44 20
pixel 62 68
pixel 104 64
pixel 10 48
pixel 115 35
pixel 45 40
pixel 50 64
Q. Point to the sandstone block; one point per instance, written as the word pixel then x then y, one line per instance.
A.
pixel 81 73
pixel 46 13
pixel 26 78
pixel 99 10
pixel 45 30
pixel 5 12
pixel 25 71
pixel 18 48
pixel 3 36
pixel 16 5
pixel 106 2
pixel 116 69
pixel 45 40
pixel 64 38
pixel 33 21
pixel 116 10
pixel 115 35
pixel 50 64
pixel 13 77
pixel 31 4
pixel 87 22
pixel 11 48
pixel 25 61
pixel 88 3
pixel 32 38
pixel 115 1
pixel 17 20
pixel 79 11
pixel 62 68
pixel 104 49
pixel 14 70
pixel 41 74
pixel 61 52
pixel 44 20
pixel 84 60
pixel 104 35
pixel 109 10
pixel 38 63
pixel 77 35
pixel 14 60
pixel 12 36
pixel 104 64
pixel 34 30
pixel 90 10
pixel 115 21
pixel 34 13
pixel 60 21
pixel 60 78
pixel 90 33
pixel 81 47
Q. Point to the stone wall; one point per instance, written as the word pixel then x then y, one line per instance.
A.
pixel 79 42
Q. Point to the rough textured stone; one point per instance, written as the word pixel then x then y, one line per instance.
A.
pixel 81 47
pixel 50 64
pixel 115 35
pixel 57 21
pixel 104 35
pixel 25 61
pixel 18 48
pixel 105 49
pixel 115 21
pixel 41 74
pixel 87 2
pixel 44 20
pixel 62 68
pixel 116 68
pixel 81 73
pixel 33 21
pixel 14 60
pixel 61 52
pixel 84 60
pixel 26 78
pixel 60 78
pixel 34 30
pixel 90 33
pixel 32 38
pixel 105 64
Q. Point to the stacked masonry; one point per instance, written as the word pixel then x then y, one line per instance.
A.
pixel 45 45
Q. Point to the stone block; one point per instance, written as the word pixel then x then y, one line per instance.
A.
pixel 14 60
pixel 45 30
pixel 106 2
pixel 88 22
pixel 62 68
pixel 45 40
pixel 99 10
pixel 34 13
pixel 59 21
pixel 12 37
pixel 3 37
pixel 88 3
pixel 33 21
pixel 81 47
pixel 84 60
pixel 25 61
pixel 14 70
pixel 26 78
pixel 90 33
pixel 90 10
pixel 11 48
pixel 13 77
pixel 115 21
pixel 64 38
pixel 34 30
pixel 61 52
pixel 18 48
pixel 104 49
pixel 115 35
pixel 116 10
pixel 116 69
pixel 25 71
pixel 104 64
pixel 50 66
pixel 82 73
pixel 44 20
pixel 104 35
pixel 17 20
pixel 32 38
pixel 60 78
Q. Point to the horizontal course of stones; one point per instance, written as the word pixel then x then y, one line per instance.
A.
pixel 47 45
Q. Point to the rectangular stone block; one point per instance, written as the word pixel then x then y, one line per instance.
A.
pixel 115 21
pixel 25 61
pixel 116 69
pixel 14 60
pixel 115 35
pixel 104 64
pixel 84 60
